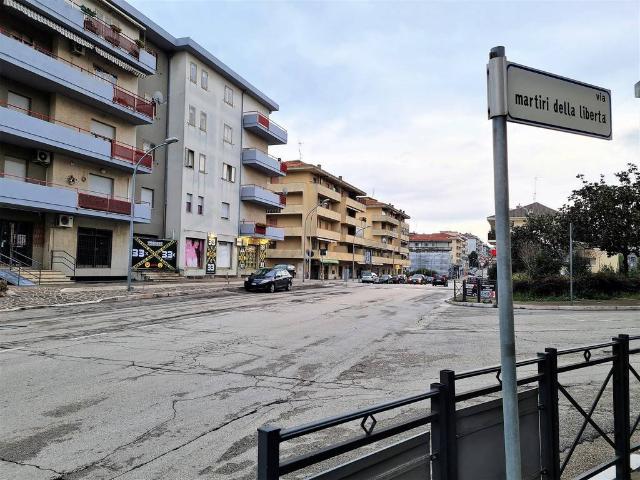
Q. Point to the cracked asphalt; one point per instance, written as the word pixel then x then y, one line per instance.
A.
pixel 174 388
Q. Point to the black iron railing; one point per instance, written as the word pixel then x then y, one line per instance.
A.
pixel 441 417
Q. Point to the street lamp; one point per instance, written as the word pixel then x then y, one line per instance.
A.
pixel 353 250
pixel 167 141
pixel 325 203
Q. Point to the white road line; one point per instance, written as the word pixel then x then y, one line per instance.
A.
pixel 11 349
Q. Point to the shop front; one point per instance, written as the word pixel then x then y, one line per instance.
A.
pixel 252 254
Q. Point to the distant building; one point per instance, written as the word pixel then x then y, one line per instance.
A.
pixel 443 252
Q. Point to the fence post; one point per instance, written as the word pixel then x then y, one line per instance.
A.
pixel 479 289
pixel 268 453
pixel 549 417
pixel 443 429
pixel 464 290
pixel 621 406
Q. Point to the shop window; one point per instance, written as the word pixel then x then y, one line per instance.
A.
pixel 224 254
pixel 193 252
pixel 94 248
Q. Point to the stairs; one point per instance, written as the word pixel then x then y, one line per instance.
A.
pixel 156 276
pixel 32 276
pixel 54 278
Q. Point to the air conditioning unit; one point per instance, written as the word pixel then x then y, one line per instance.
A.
pixel 43 158
pixel 77 49
pixel 65 221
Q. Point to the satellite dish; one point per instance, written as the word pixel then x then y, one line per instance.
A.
pixel 158 97
pixel 285 190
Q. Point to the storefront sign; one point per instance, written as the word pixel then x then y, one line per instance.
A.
pixel 212 245
pixel 154 254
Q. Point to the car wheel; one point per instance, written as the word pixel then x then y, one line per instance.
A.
pixel 272 288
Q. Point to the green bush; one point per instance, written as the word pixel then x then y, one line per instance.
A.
pixel 600 285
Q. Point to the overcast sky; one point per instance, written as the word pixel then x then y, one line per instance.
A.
pixel 392 95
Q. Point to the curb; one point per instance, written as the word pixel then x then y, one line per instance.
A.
pixel 570 308
pixel 148 296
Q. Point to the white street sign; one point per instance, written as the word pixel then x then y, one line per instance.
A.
pixel 546 100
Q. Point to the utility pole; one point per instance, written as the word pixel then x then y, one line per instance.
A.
pixel 498 109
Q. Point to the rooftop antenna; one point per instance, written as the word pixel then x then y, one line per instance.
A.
pixel 535 188
pixel 300 150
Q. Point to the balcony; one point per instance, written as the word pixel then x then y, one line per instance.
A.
pixel 260 125
pixel 36 66
pixel 99 34
pixel 262 196
pixel 385 219
pixel 324 234
pixel 491 236
pixel 260 230
pixel 39 195
pixel 379 232
pixel 328 214
pixel 355 204
pixel 326 192
pixel 34 130
pixel 254 158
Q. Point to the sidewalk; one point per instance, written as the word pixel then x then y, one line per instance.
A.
pixel 20 298
pixel 548 306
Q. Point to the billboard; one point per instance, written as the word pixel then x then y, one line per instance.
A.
pixel 154 254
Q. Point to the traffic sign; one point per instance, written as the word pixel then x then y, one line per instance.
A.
pixel 542 99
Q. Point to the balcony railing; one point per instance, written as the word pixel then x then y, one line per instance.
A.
pixel 111 35
pixel 86 198
pixel 119 150
pixel 121 95
pixel 283 199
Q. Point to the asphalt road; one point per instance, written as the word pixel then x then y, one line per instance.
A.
pixel 175 388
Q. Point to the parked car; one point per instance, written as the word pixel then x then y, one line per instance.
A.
pixel 269 280
pixel 417 279
pixel 401 278
pixel 289 268
pixel 440 280
pixel 428 279
pixel 386 278
pixel 369 277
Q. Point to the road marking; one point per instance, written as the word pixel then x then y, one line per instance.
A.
pixel 87 336
pixel 11 349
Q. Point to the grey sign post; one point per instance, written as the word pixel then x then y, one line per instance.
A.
pixel 521 94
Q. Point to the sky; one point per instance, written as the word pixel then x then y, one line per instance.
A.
pixel 392 94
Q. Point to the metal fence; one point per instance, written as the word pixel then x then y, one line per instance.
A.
pixel 542 372
pixel 480 290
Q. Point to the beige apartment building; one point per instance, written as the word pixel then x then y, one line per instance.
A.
pixel 69 111
pixel 341 229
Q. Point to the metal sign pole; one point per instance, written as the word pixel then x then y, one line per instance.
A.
pixel 497 92
pixel 571 262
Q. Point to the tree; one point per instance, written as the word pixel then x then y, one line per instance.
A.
pixel 607 216
pixel 540 246
pixel 473 259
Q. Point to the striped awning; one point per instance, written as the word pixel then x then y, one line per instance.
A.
pixel 71 36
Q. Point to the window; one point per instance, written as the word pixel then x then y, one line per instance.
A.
pixel 228 172
pixel 202 164
pixel 200 205
pixel 224 254
pixel 204 79
pixel 192 115
pixel 94 248
pixel 193 72
pixel 189 203
pixel 20 102
pixel 194 251
pixel 228 95
pixel 15 167
pixel 103 74
pixel 146 196
pixel 225 210
pixel 228 133
pixel 100 185
pixel 189 158
pixel 103 130
pixel 203 121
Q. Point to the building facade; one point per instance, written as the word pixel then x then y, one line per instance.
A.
pixel 342 228
pixel 444 252
pixel 70 106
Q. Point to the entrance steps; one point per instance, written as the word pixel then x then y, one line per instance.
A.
pixel 155 276
pixel 29 277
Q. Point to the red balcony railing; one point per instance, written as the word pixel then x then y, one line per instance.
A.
pixel 104 204
pixel 86 198
pixel 119 150
pixel 114 37
pixel 121 96
pixel 260 229
pixel 283 199
pixel 283 167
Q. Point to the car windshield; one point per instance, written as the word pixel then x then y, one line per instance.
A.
pixel 264 272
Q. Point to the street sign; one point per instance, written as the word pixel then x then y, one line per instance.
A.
pixel 542 99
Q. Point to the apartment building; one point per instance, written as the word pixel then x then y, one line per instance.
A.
pixel 335 217
pixel 98 84
pixel 388 237
pixel 70 105
pixel 518 217
pixel 444 252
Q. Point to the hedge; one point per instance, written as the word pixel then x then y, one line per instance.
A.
pixel 597 285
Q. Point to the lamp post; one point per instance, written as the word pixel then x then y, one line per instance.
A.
pixel 325 203
pixel 353 250
pixel 133 202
